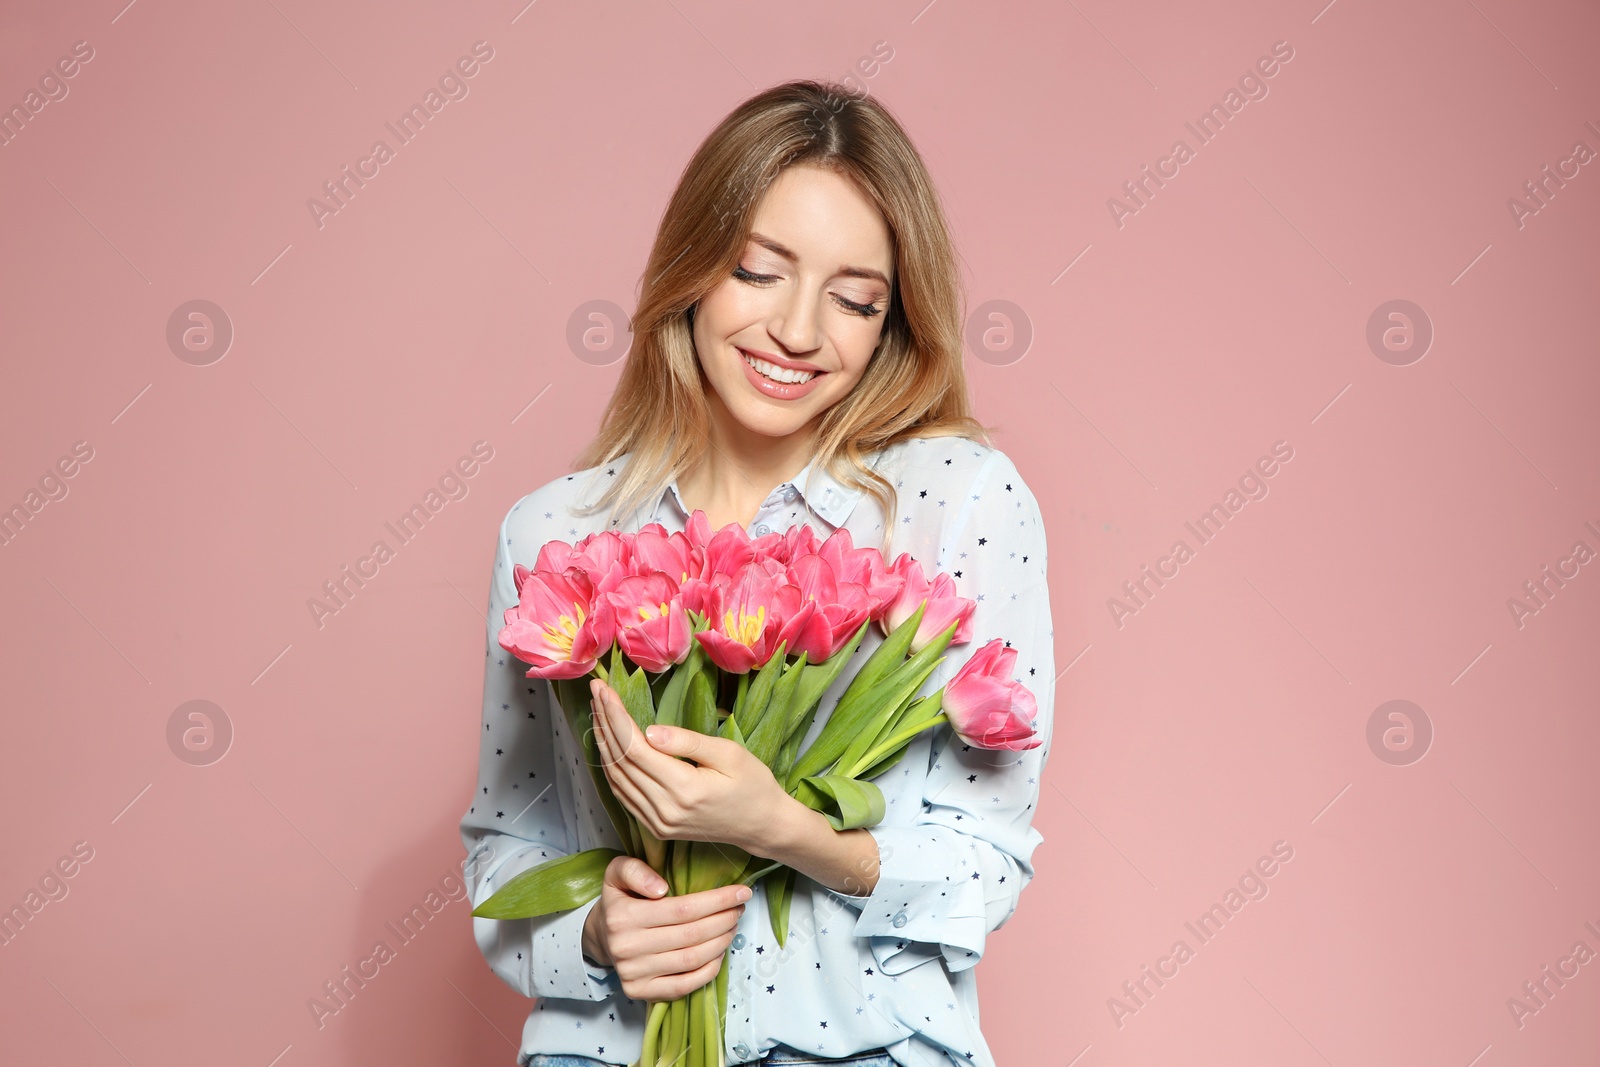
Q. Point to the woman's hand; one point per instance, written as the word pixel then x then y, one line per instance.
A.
pixel 731 796
pixel 662 947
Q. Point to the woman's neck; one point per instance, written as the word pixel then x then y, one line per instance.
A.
pixel 731 481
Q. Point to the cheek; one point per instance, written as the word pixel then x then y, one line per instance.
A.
pixel 856 350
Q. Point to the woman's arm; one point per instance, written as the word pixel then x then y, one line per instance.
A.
pixel 517 819
pixel 956 873
pixel 845 861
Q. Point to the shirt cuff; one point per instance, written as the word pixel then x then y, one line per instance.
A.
pixel 558 967
pixel 928 900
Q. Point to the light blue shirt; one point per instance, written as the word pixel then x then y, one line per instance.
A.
pixel 892 969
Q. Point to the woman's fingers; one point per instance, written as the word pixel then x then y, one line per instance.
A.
pixel 627 777
pixel 673 986
pixel 678 961
pixel 687 907
pixel 684 935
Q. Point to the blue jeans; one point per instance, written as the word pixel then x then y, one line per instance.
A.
pixel 777 1057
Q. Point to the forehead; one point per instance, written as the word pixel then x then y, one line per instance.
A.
pixel 825 219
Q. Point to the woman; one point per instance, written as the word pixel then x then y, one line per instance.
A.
pixel 797 359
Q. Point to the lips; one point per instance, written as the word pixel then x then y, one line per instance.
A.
pixel 773 388
pixel 780 362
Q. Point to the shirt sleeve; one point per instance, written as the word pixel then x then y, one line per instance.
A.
pixel 954 875
pixel 517 820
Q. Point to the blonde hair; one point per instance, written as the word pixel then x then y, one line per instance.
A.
pixel 915 383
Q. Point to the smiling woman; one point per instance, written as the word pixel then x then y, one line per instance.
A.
pixel 805 235
pixel 797 361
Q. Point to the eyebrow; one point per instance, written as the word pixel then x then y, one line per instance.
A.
pixel 852 272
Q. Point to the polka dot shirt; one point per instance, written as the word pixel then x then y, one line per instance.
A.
pixel 892 969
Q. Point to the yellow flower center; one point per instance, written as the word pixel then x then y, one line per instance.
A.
pixel 565 630
pixel 744 628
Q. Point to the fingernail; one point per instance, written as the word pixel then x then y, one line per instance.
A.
pixel 744 893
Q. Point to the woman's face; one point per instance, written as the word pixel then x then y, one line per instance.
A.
pixel 810 294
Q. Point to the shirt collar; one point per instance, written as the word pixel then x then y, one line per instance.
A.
pixel 828 497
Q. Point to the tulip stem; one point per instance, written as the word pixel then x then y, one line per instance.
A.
pixel 650 1054
pixel 893 742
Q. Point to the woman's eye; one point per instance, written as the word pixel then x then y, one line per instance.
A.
pixel 864 310
pixel 745 276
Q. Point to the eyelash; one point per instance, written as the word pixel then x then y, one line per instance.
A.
pixel 866 311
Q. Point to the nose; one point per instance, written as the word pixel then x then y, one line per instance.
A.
pixel 796 324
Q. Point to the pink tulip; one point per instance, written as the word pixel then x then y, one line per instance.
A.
pixel 607 556
pixel 727 551
pixel 656 551
pixel 745 612
pixel 863 567
pixel 825 613
pixel 788 546
pixel 944 606
pixel 556 625
pixel 651 626
pixel 988 708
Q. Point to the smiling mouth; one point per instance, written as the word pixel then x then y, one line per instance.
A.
pixel 777 373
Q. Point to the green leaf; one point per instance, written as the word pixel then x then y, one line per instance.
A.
pixel 700 706
pixel 779 886
pixel 848 803
pixel 767 731
pixel 919 667
pixel 819 677
pixel 669 703
pixel 859 715
pixel 573 694
pixel 859 701
pixel 634 689
pixel 730 729
pixel 752 702
pixel 560 884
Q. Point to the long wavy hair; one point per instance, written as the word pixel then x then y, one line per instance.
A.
pixel 915 383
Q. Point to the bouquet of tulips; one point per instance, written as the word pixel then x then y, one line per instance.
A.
pixel 681 624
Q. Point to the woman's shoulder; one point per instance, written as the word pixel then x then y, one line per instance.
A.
pixel 947 458
pixel 551 510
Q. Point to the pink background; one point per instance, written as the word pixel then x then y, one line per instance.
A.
pixel 1167 354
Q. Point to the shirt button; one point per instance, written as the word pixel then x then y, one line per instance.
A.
pixel 763 530
pixel 738 941
pixel 899 918
pixel 742 1051
pixel 790 493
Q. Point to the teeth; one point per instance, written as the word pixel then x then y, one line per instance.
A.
pixel 777 373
